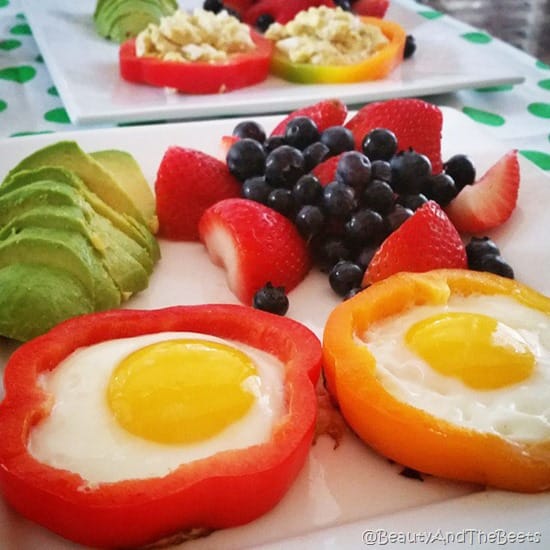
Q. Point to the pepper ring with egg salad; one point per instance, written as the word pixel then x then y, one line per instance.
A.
pixel 200 418
pixel 330 46
pixel 196 53
pixel 447 372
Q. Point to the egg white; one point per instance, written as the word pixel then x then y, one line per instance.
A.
pixel 81 434
pixel 519 412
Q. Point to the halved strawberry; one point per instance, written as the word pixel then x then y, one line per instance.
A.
pixel 427 240
pixel 491 200
pixel 325 171
pixel 371 8
pixel 417 124
pixel 282 11
pixel 187 183
pixel 325 113
pixel 255 245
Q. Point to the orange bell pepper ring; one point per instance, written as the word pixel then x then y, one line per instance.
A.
pixel 411 435
pixel 223 489
pixel 377 66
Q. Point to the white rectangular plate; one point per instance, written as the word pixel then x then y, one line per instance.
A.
pixel 84 68
pixel 341 492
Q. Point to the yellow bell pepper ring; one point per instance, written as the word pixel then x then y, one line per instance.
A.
pixel 374 67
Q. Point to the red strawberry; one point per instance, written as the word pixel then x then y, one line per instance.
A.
pixel 416 124
pixel 255 244
pixel 325 171
pixel 371 8
pixel 427 240
pixel 325 113
pixel 187 183
pixel 491 200
pixel 282 11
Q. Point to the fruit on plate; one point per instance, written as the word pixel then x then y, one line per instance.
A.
pixel 187 183
pixel 190 57
pixel 75 236
pixel 490 201
pixel 201 420
pixel 280 11
pixel 371 8
pixel 427 240
pixel 119 20
pixel 417 124
pixel 255 245
pixel 310 49
pixel 420 365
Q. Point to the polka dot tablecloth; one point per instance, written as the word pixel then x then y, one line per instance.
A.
pixel 518 115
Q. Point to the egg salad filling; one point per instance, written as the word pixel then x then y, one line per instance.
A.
pixel 479 361
pixel 199 35
pixel 147 404
pixel 326 36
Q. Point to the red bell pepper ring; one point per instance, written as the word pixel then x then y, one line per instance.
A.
pixel 198 77
pixel 224 490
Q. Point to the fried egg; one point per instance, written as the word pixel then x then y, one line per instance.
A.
pixel 478 361
pixel 139 407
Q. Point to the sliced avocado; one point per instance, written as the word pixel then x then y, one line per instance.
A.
pixel 125 169
pixel 127 224
pixel 129 275
pixel 68 154
pixel 36 297
pixel 63 250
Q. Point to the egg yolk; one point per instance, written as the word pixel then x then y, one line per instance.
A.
pixel 477 349
pixel 181 391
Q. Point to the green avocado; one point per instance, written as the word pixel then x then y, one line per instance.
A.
pixel 118 20
pixel 69 155
pixel 36 297
pixel 126 224
pixel 127 172
pixel 129 275
pixel 66 251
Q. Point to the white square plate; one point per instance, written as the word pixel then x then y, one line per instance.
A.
pixel 345 491
pixel 84 68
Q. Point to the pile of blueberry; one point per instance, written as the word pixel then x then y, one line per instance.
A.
pixel 373 192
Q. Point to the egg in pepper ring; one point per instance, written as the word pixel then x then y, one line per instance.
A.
pixel 124 428
pixel 447 372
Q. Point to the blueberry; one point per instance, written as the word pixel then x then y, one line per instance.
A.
pixel 410 170
pixel 353 169
pixel 365 226
pixel 256 189
pixel 273 142
pixel 410 46
pixel 214 6
pixel 411 201
pixel 249 129
pixel 301 131
pixel 497 265
pixel 441 188
pixel 344 277
pixel 338 139
pixel 365 255
pixel 264 21
pixel 396 217
pixel 246 158
pixel 314 154
pixel 329 251
pixel 479 247
pixel 281 200
pixel 309 221
pixel 379 196
pixel 461 169
pixel 338 199
pixel 272 299
pixel 307 190
pixel 380 144
pixel 284 166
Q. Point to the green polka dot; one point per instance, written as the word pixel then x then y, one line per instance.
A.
pixel 52 90
pixel 477 37
pixel 484 117
pixel 501 88
pixel 541 159
pixel 4 3
pixel 3 105
pixel 544 84
pixel 541 110
pixel 39 59
pixel 7 45
pixel 542 65
pixel 20 74
pixel 57 115
pixel 20 16
pixel 18 134
pixel 22 29
pixel 430 14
